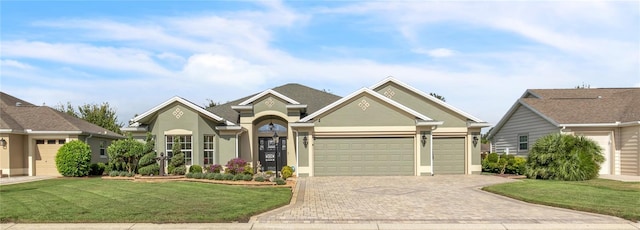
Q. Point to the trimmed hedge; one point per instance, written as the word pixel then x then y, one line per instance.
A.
pixel 73 159
pixel 195 169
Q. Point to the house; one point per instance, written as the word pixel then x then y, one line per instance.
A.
pixel 31 135
pixel 609 116
pixel 389 128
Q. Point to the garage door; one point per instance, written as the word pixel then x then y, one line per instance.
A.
pixel 604 140
pixel 46 151
pixel 363 156
pixel 448 155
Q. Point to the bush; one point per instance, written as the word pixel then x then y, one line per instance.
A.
pixel 195 169
pixel 287 171
pixel 215 168
pixel 238 177
pixel 229 176
pixel 114 173
pixel 564 157
pixel 130 174
pixel 280 181
pixel 180 170
pixel 188 175
pixel 198 175
pixel 153 169
pixel 122 173
pixel 218 176
pixel 73 159
pixel 96 169
pixel 210 176
pixel 259 179
pixel 516 166
pixel 147 159
pixel 247 177
pixel 248 170
pixel 235 166
pixel 502 164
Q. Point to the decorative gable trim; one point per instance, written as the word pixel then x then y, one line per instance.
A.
pixel 371 93
pixel 427 96
pixel 184 102
pixel 272 92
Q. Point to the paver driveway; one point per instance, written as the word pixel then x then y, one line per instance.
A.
pixel 438 199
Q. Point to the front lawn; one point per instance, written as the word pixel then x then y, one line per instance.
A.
pixel 97 200
pixel 615 198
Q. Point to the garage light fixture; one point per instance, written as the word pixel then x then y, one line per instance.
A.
pixel 475 141
pixel 424 140
pixel 3 142
pixel 305 141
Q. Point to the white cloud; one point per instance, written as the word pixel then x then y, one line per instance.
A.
pixel 224 70
pixel 436 53
pixel 14 64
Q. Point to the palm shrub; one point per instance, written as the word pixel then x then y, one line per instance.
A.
pixel 564 157
pixel 73 159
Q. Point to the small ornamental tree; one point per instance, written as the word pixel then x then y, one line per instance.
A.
pixel 564 157
pixel 235 166
pixel 126 151
pixel 176 166
pixel 147 165
pixel 73 159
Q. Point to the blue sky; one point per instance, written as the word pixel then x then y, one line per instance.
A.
pixel 481 56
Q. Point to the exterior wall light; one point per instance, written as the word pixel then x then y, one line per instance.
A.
pixel 3 142
pixel 475 141
pixel 424 140
pixel 305 141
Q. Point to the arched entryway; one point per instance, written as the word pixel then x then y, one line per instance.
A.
pixel 272 143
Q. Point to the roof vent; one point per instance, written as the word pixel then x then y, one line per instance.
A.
pixel 599 97
pixel 18 103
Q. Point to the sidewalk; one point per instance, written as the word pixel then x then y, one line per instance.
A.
pixel 22 179
pixel 372 226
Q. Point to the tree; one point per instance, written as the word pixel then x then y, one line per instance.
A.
pixel 127 151
pixel 176 166
pixel 564 157
pixel 102 115
pixel 210 103
pixel 583 86
pixel 438 96
pixel 147 164
pixel 73 159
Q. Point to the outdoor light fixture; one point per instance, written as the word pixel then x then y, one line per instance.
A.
pixel 3 142
pixel 424 140
pixel 271 126
pixel 305 141
pixel 475 141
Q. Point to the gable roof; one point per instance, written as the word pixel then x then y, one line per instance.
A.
pixel 28 118
pixel 266 92
pixel 371 93
pixel 580 107
pixel 185 102
pixel 313 98
pixel 427 96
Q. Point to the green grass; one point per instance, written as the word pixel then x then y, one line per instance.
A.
pixel 96 200
pixel 615 198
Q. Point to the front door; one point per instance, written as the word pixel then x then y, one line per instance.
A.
pixel 270 154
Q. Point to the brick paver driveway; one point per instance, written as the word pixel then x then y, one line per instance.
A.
pixel 438 199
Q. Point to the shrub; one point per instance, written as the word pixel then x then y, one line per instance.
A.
pixel 73 159
pixel 122 173
pixel 218 176
pixel 114 173
pixel 259 179
pixel 280 181
pixel 195 169
pixel 238 177
pixel 228 176
pixel 504 163
pixel 210 176
pixel 516 165
pixel 248 170
pixel 188 175
pixel 564 157
pixel 235 166
pixel 215 168
pixel 180 170
pixel 130 174
pixel 147 159
pixel 126 151
pixel 247 177
pixel 287 171
pixel 96 169
pixel 153 169
pixel 198 175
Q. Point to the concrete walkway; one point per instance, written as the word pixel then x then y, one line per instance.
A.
pixel 622 178
pixel 22 179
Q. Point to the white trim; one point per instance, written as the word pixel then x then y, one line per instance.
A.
pixel 431 151
pixel 437 101
pixel 301 125
pixel 429 123
pixel 477 124
pixel 269 91
pixel 242 107
pixel 184 102
pixel 134 129
pixel 615 124
pixel 178 132
pixel 222 128
pixel 510 113
pixel 29 131
pixel 372 93
pixel 298 106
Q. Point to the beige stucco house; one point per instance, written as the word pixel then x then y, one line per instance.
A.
pixel 31 135
pixel 389 128
pixel 609 116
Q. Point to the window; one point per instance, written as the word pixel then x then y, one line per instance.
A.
pixel 523 142
pixel 185 147
pixel 51 142
pixel 103 153
pixel 39 142
pixel 208 150
pixel 61 141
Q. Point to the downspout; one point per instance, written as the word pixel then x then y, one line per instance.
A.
pixel 237 142
pixel 297 151
pixel 431 150
pixel 86 139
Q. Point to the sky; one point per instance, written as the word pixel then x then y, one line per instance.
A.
pixel 480 55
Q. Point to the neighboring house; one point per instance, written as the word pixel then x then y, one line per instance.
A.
pixel 388 129
pixel 609 116
pixel 31 135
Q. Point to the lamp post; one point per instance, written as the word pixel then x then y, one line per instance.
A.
pixel 275 140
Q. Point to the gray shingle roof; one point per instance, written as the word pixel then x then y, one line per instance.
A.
pixel 586 106
pixel 43 118
pixel 313 98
